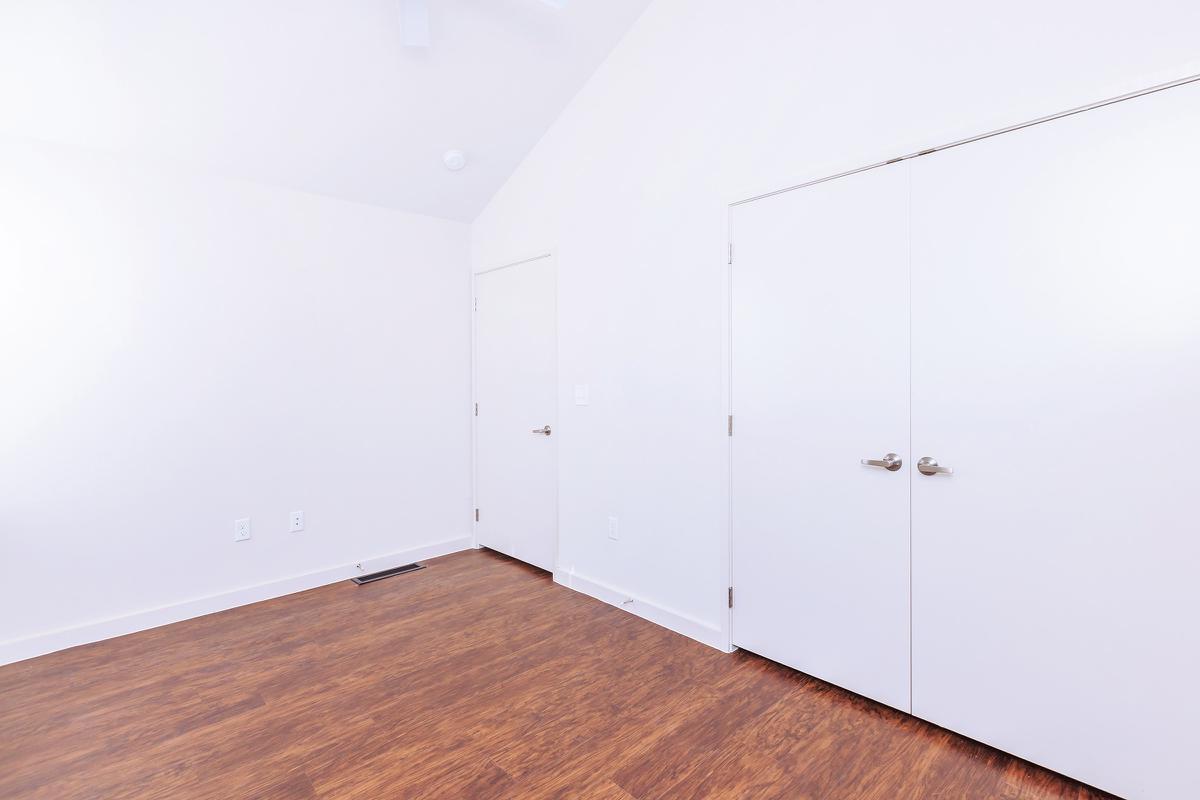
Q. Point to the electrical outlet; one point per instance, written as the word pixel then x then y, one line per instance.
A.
pixel 241 530
pixel 612 528
pixel 297 522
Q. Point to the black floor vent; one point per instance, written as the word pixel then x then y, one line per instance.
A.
pixel 387 573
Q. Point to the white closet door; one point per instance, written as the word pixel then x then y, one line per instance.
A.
pixel 820 381
pixel 1056 370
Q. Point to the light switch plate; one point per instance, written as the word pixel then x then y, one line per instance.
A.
pixel 613 533
pixel 296 522
pixel 581 394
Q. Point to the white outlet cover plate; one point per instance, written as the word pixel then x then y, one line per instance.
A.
pixel 296 522
pixel 241 530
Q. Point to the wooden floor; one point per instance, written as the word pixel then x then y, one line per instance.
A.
pixel 475 678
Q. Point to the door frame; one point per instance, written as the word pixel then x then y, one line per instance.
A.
pixel 474 399
pixel 727 401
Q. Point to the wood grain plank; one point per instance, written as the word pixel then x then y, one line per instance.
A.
pixel 475 678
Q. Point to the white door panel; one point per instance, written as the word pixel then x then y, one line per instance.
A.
pixel 516 388
pixel 1056 370
pixel 820 381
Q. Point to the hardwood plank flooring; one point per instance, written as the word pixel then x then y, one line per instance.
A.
pixel 475 678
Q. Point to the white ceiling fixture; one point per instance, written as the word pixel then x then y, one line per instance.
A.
pixel 454 160
pixel 414 23
pixel 414 20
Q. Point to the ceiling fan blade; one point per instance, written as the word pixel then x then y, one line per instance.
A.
pixel 414 23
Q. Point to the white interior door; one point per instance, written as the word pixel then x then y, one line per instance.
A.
pixel 819 382
pixel 516 392
pixel 1056 370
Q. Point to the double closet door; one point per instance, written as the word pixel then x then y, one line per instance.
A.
pixel 1023 310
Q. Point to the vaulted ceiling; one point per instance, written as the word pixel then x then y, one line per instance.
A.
pixel 317 95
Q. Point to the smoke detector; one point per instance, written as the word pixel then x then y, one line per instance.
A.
pixel 454 160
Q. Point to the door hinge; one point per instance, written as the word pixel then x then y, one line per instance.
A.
pixel 731 424
pixel 731 597
pixel 477 409
pixel 731 252
pixel 477 515
pixel 476 303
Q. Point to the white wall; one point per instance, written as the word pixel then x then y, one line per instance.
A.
pixel 709 101
pixel 177 352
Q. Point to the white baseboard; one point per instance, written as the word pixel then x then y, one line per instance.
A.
pixel 681 623
pixel 61 639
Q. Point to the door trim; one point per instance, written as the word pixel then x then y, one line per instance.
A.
pixel 1159 87
pixel 728 425
pixel 550 254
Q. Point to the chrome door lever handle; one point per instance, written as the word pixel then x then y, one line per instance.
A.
pixel 544 431
pixel 927 466
pixel 891 462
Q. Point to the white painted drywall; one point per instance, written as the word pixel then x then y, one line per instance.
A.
pixel 709 101
pixel 177 352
